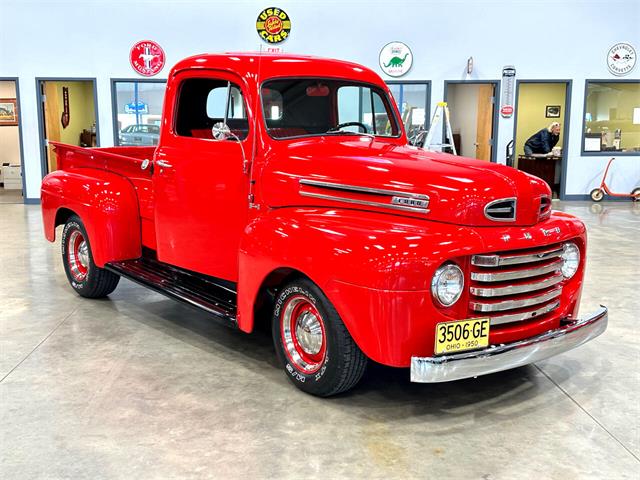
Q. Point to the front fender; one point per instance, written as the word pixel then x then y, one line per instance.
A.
pixel 376 269
pixel 371 250
pixel 106 203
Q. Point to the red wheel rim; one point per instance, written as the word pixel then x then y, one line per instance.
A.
pixel 303 334
pixel 77 255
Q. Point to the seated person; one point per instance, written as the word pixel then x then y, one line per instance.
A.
pixel 543 141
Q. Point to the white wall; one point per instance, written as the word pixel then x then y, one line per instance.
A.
pixel 544 39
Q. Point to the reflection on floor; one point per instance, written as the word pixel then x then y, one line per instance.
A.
pixel 10 196
pixel 140 386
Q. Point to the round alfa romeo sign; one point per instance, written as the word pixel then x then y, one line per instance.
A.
pixel 147 58
pixel 395 59
pixel 621 59
pixel 273 25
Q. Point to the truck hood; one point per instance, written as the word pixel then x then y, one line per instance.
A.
pixel 362 173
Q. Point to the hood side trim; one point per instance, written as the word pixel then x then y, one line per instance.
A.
pixel 398 200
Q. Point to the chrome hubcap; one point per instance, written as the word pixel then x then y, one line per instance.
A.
pixel 78 255
pixel 83 254
pixel 303 334
pixel 309 333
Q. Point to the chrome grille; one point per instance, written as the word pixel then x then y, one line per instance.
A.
pixel 502 210
pixel 516 286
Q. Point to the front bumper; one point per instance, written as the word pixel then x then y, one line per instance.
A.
pixel 511 355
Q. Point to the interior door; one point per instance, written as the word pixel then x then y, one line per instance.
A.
pixel 51 108
pixel 200 188
pixel 485 115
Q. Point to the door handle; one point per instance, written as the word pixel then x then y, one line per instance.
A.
pixel 163 163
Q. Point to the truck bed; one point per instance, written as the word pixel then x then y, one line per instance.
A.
pixel 126 161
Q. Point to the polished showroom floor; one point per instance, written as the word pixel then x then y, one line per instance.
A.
pixel 138 386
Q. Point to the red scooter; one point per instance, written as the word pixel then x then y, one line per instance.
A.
pixel 597 194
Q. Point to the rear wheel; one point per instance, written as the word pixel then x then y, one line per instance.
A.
pixel 314 346
pixel 597 194
pixel 635 193
pixel 83 274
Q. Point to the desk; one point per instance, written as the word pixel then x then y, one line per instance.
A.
pixel 541 166
pixel 88 139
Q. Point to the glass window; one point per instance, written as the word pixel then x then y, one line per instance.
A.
pixel 203 102
pixel 355 104
pixel 138 103
pixel 612 117
pixel 217 102
pixel 318 106
pixel 412 100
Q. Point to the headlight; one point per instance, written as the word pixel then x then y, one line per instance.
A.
pixel 447 283
pixel 571 259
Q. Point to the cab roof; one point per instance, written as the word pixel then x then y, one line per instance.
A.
pixel 278 65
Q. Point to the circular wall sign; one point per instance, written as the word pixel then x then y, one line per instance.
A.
pixel 395 59
pixel 273 25
pixel 147 58
pixel 621 59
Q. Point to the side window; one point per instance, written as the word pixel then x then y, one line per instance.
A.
pixel 350 107
pixel 203 102
pixel 365 106
pixel 383 125
pixel 273 104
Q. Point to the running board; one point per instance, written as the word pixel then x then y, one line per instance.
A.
pixel 214 296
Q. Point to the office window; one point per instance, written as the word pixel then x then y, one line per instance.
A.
pixel 412 99
pixel 138 109
pixel 612 118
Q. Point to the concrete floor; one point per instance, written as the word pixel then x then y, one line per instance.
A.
pixel 138 386
pixel 10 196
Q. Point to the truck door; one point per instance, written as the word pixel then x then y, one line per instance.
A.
pixel 200 189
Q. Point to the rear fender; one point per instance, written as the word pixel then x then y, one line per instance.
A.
pixel 107 204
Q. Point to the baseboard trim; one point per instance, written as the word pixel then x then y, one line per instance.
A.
pixel 587 198
pixel 31 201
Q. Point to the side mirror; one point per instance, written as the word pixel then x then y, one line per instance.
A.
pixel 221 131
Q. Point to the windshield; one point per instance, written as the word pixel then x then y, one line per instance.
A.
pixel 319 106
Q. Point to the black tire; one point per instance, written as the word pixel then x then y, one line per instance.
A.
pixel 83 274
pixel 339 364
pixel 596 195
pixel 635 193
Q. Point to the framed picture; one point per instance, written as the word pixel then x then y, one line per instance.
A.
pixel 8 111
pixel 552 111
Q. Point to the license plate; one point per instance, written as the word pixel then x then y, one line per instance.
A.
pixel 462 335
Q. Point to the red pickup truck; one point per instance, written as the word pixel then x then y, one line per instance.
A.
pixel 283 190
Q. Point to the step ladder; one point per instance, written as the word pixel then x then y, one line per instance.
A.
pixel 440 115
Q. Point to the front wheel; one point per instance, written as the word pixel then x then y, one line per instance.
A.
pixel 597 194
pixel 86 278
pixel 314 346
pixel 635 194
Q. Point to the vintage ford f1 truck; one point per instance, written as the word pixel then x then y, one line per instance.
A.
pixel 283 189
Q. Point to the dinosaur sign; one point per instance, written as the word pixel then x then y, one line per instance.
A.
pixel 147 58
pixel 395 59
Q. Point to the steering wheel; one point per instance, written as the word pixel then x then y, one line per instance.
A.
pixel 349 124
